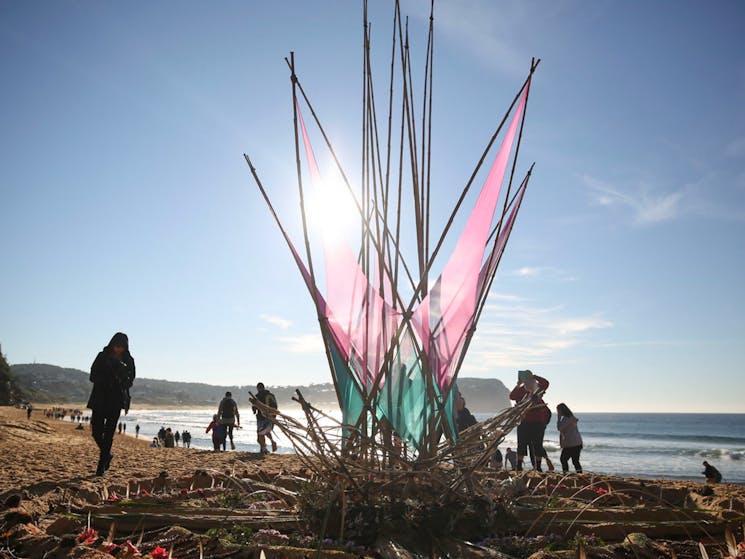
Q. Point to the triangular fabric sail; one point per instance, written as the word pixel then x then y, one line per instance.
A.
pixel 487 271
pixel 351 400
pixel 353 303
pixel 445 313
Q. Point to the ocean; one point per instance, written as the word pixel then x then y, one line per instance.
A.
pixel 650 445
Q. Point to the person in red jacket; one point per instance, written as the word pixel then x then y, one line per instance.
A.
pixel 531 429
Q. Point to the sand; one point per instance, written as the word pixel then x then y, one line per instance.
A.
pixel 54 451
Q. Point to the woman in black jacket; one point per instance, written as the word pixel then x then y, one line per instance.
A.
pixel 112 374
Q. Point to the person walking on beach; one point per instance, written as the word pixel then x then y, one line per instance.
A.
pixel 169 441
pixel 569 438
pixel 137 431
pixel 177 437
pixel 532 427
pixel 29 409
pixel 264 424
pixel 124 428
pixel 711 473
pixel 120 427
pixel 228 415
pixel 186 437
pixel 218 433
pixel 112 374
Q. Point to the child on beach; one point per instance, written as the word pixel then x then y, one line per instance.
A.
pixel 219 433
pixel 569 438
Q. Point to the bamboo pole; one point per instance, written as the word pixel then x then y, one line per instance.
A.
pixel 386 196
pixel 519 141
pixel 429 129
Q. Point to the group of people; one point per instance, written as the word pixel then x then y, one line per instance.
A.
pixel 228 418
pixel 531 430
pixel 58 412
pixel 166 438
pixel 112 375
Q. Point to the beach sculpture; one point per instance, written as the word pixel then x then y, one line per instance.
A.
pixel 396 321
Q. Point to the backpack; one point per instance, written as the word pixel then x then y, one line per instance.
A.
pixel 227 408
pixel 270 400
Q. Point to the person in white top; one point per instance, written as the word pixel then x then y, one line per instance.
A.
pixel 570 439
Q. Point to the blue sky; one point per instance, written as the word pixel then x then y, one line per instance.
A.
pixel 125 203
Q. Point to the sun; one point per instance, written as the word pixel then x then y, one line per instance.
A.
pixel 331 209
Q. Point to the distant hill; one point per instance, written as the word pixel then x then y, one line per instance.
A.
pixel 51 384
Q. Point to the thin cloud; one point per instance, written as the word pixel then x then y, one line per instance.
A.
pixel 522 334
pixel 304 343
pixel 543 272
pixel 641 343
pixel 527 272
pixel 505 297
pixel 647 208
pixel 277 321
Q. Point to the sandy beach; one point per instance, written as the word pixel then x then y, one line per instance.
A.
pixel 239 504
pixel 54 451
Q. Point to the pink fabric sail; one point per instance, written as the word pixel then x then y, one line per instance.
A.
pixel 445 314
pixel 450 362
pixel 353 307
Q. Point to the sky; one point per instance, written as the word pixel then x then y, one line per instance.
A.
pixel 126 205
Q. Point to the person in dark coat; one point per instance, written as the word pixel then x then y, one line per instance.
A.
pixel 228 415
pixel 112 374
pixel 711 473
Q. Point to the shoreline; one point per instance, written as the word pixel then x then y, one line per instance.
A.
pixel 30 449
pixel 654 468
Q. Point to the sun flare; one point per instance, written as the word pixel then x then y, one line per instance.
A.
pixel 331 209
